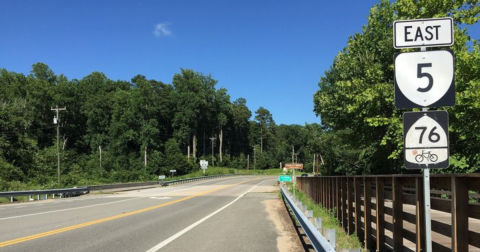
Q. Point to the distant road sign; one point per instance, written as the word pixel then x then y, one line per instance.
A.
pixel 173 170
pixel 426 139
pixel 423 32
pixel 203 164
pixel 161 177
pixel 424 79
pixel 294 166
pixel 285 178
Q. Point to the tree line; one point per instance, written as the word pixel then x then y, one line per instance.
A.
pixel 119 131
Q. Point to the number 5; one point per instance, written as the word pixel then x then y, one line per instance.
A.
pixel 421 75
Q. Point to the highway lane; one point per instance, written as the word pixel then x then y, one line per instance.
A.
pixel 210 215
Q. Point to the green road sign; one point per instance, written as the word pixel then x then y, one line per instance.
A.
pixel 286 178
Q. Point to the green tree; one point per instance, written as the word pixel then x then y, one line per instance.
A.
pixel 356 93
pixel 265 124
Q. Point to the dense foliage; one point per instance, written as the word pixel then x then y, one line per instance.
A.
pixel 119 131
pixel 363 129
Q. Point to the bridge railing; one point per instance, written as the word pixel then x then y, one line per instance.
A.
pixel 387 212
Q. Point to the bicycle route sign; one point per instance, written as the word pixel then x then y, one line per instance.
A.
pixel 426 140
pixel 424 79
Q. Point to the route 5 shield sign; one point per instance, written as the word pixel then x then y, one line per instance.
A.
pixel 424 79
pixel 426 139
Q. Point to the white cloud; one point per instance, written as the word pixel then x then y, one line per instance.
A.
pixel 162 30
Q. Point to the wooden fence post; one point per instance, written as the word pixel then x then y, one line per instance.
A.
pixel 420 211
pixel 344 204
pixel 350 219
pixel 367 213
pixel 380 202
pixel 358 206
pixel 397 187
pixel 459 214
pixel 338 197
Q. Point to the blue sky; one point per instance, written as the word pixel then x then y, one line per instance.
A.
pixel 270 52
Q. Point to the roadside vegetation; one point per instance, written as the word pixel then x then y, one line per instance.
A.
pixel 329 221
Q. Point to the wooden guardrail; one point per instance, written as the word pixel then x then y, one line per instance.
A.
pixel 387 210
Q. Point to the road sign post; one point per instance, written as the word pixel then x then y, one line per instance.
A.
pixel 425 79
pixel 203 165
pixel 173 171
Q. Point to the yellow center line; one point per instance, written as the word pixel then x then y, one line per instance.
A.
pixel 90 223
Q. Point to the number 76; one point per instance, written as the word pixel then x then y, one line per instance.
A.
pixel 432 136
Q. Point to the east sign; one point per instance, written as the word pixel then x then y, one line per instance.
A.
pixel 423 33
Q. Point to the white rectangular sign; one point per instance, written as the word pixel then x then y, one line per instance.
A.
pixel 161 177
pixel 203 164
pixel 173 170
pixel 423 32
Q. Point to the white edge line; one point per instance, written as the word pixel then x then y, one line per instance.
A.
pixel 175 236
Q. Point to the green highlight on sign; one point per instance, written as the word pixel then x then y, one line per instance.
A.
pixel 286 178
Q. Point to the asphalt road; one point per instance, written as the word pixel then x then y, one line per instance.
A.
pixel 226 214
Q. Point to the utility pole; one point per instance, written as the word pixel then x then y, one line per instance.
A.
pixel 212 139
pixel 56 120
pixel 254 158
pixel 294 178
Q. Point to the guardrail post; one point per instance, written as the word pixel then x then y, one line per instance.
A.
pixel 318 224
pixel 309 213
pixel 332 237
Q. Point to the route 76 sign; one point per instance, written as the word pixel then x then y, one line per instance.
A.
pixel 424 79
pixel 426 139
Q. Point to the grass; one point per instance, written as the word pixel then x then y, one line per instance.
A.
pixel 329 221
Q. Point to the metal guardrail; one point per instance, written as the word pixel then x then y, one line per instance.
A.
pixel 318 242
pixel 181 181
pixel 67 192
pixel 154 183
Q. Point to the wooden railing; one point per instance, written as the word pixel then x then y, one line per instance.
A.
pixel 387 212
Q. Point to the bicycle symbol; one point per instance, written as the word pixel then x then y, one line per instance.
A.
pixel 426 154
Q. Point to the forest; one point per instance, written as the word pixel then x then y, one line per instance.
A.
pixel 134 130
pixel 121 131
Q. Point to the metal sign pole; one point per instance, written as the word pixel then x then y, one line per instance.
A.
pixel 428 221
pixel 426 196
